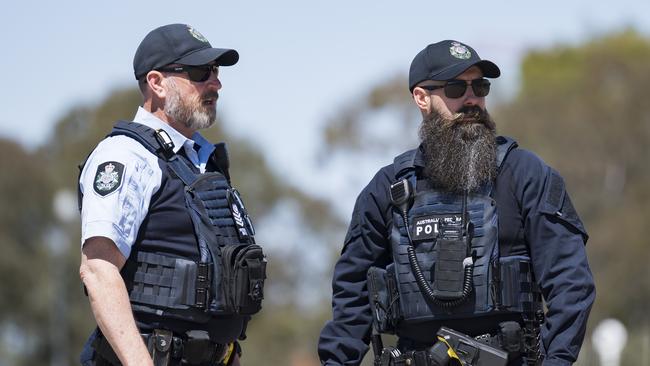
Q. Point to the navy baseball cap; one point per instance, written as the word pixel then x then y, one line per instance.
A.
pixel 178 43
pixel 445 60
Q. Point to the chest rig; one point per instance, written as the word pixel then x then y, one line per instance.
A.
pixel 223 272
pixel 446 260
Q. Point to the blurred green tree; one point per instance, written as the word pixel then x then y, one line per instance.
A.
pixel 25 210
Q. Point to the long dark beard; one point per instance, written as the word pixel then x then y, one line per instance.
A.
pixel 460 153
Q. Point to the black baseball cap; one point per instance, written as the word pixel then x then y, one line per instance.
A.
pixel 178 43
pixel 445 60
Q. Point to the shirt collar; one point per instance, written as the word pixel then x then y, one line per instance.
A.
pixel 203 143
pixel 146 118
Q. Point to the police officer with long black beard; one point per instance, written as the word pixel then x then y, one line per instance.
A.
pixel 455 245
pixel 169 261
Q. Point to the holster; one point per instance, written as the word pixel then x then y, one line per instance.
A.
pixel 166 349
pixel 384 296
pixel 160 345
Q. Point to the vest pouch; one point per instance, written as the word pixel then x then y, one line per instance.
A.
pixel 244 274
pixel 164 282
pixel 516 282
pixel 449 272
pixel 166 286
pixel 378 297
pixel 384 298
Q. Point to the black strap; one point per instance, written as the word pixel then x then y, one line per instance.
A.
pixel 404 162
pixel 152 141
pixel 145 135
pixel 532 315
pixel 166 349
pixel 220 159
pixel 504 146
pixel 148 138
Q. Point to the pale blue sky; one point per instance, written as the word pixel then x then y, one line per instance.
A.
pixel 300 60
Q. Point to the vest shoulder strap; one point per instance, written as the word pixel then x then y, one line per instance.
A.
pixel 220 159
pixel 145 135
pixel 504 146
pixel 404 164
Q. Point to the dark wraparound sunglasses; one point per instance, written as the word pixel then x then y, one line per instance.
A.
pixel 195 73
pixel 457 88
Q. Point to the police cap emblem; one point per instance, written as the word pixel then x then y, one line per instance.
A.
pixel 108 177
pixel 459 50
pixel 196 34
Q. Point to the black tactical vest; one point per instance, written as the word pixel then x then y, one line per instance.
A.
pixel 499 284
pixel 194 264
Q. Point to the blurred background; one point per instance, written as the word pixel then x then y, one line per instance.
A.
pixel 316 105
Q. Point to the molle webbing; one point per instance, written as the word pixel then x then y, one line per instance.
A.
pixel 166 281
pixel 487 264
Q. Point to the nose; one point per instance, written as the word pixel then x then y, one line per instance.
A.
pixel 214 80
pixel 470 99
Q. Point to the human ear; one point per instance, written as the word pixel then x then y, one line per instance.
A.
pixel 422 99
pixel 155 82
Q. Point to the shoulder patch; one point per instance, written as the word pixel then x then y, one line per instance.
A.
pixel 108 177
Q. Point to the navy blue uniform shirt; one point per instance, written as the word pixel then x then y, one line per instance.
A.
pixel 535 217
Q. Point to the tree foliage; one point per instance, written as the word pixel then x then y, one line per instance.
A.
pixel 24 208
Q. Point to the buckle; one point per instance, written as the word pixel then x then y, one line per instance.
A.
pixel 202 285
pixel 166 144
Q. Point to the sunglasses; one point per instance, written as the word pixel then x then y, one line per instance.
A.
pixel 457 88
pixel 195 73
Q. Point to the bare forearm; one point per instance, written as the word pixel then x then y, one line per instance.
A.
pixel 110 305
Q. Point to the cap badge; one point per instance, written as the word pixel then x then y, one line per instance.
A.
pixel 459 51
pixel 196 34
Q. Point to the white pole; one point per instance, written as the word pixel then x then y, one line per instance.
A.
pixel 609 339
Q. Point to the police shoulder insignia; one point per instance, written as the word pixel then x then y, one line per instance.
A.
pixel 108 177
pixel 459 51
pixel 196 34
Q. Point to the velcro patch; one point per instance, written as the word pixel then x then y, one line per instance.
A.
pixel 427 227
pixel 239 215
pixel 108 178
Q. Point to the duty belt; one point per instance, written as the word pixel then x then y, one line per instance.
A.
pixel 482 350
pixel 166 349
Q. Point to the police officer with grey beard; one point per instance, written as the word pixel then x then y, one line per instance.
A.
pixel 457 243
pixel 169 261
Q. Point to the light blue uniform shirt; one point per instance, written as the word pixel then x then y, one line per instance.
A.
pixel 119 214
